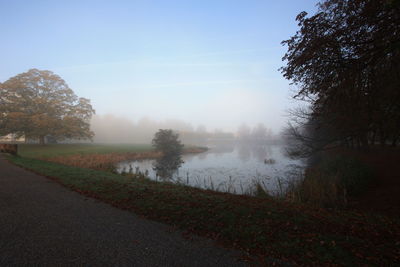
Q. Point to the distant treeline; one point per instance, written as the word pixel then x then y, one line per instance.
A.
pixel 112 129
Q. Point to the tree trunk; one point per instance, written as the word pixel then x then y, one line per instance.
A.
pixel 358 143
pixel 373 138
pixel 383 141
pixel 382 138
pixel 364 142
pixel 394 141
pixel 41 140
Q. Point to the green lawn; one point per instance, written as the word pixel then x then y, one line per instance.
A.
pixel 54 150
pixel 266 228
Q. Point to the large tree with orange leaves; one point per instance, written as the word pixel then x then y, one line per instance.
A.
pixel 37 103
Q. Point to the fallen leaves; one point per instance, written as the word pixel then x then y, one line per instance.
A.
pixel 263 227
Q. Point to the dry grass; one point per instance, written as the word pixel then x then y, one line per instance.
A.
pixel 102 161
pixel 331 182
pixel 107 162
pixel 319 189
pixel 265 228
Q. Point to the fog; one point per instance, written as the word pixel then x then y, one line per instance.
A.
pixel 110 128
pixel 117 129
pixel 148 65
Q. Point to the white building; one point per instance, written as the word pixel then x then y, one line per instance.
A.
pixel 11 138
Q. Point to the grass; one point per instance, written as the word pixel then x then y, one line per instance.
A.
pixel 94 156
pixel 57 150
pixel 263 227
pixel 331 182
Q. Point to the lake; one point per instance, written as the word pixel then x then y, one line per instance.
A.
pixel 234 168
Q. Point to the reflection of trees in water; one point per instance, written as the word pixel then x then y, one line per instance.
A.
pixel 166 166
pixel 218 149
pixel 167 141
pixel 222 147
pixel 260 152
pixel 189 158
pixel 244 153
pixel 202 156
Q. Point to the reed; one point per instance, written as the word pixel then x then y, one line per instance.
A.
pixel 103 162
pixel 330 182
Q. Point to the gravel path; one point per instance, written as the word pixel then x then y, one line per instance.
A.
pixel 45 224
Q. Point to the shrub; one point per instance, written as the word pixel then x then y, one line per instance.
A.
pixel 331 182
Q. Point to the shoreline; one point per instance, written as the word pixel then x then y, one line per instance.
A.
pixel 99 161
pixel 265 228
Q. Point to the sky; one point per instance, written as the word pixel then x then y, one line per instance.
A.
pixel 209 62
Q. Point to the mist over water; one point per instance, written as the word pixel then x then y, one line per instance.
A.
pixel 113 129
pixel 116 129
pixel 229 167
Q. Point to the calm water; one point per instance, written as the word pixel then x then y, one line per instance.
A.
pixel 230 168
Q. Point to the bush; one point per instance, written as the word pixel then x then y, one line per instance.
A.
pixel 353 175
pixel 167 142
pixel 331 182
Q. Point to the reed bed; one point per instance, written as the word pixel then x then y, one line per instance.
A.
pixel 107 162
pixel 102 161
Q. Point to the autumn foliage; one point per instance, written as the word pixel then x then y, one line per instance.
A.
pixel 38 103
pixel 344 61
pixel 274 233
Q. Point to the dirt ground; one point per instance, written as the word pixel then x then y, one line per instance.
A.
pixel 383 195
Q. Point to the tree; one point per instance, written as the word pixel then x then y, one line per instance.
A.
pixel 201 129
pixel 260 133
pixel 37 103
pixel 345 62
pixel 243 132
pixel 167 141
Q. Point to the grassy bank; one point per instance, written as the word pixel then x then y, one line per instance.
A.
pixel 94 156
pixel 332 181
pixel 58 150
pixel 262 226
pixel 351 179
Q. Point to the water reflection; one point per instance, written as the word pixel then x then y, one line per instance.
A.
pixel 260 153
pixel 166 166
pixel 202 156
pixel 244 152
pixel 222 148
pixel 229 167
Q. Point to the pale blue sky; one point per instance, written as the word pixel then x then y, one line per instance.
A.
pixel 206 62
